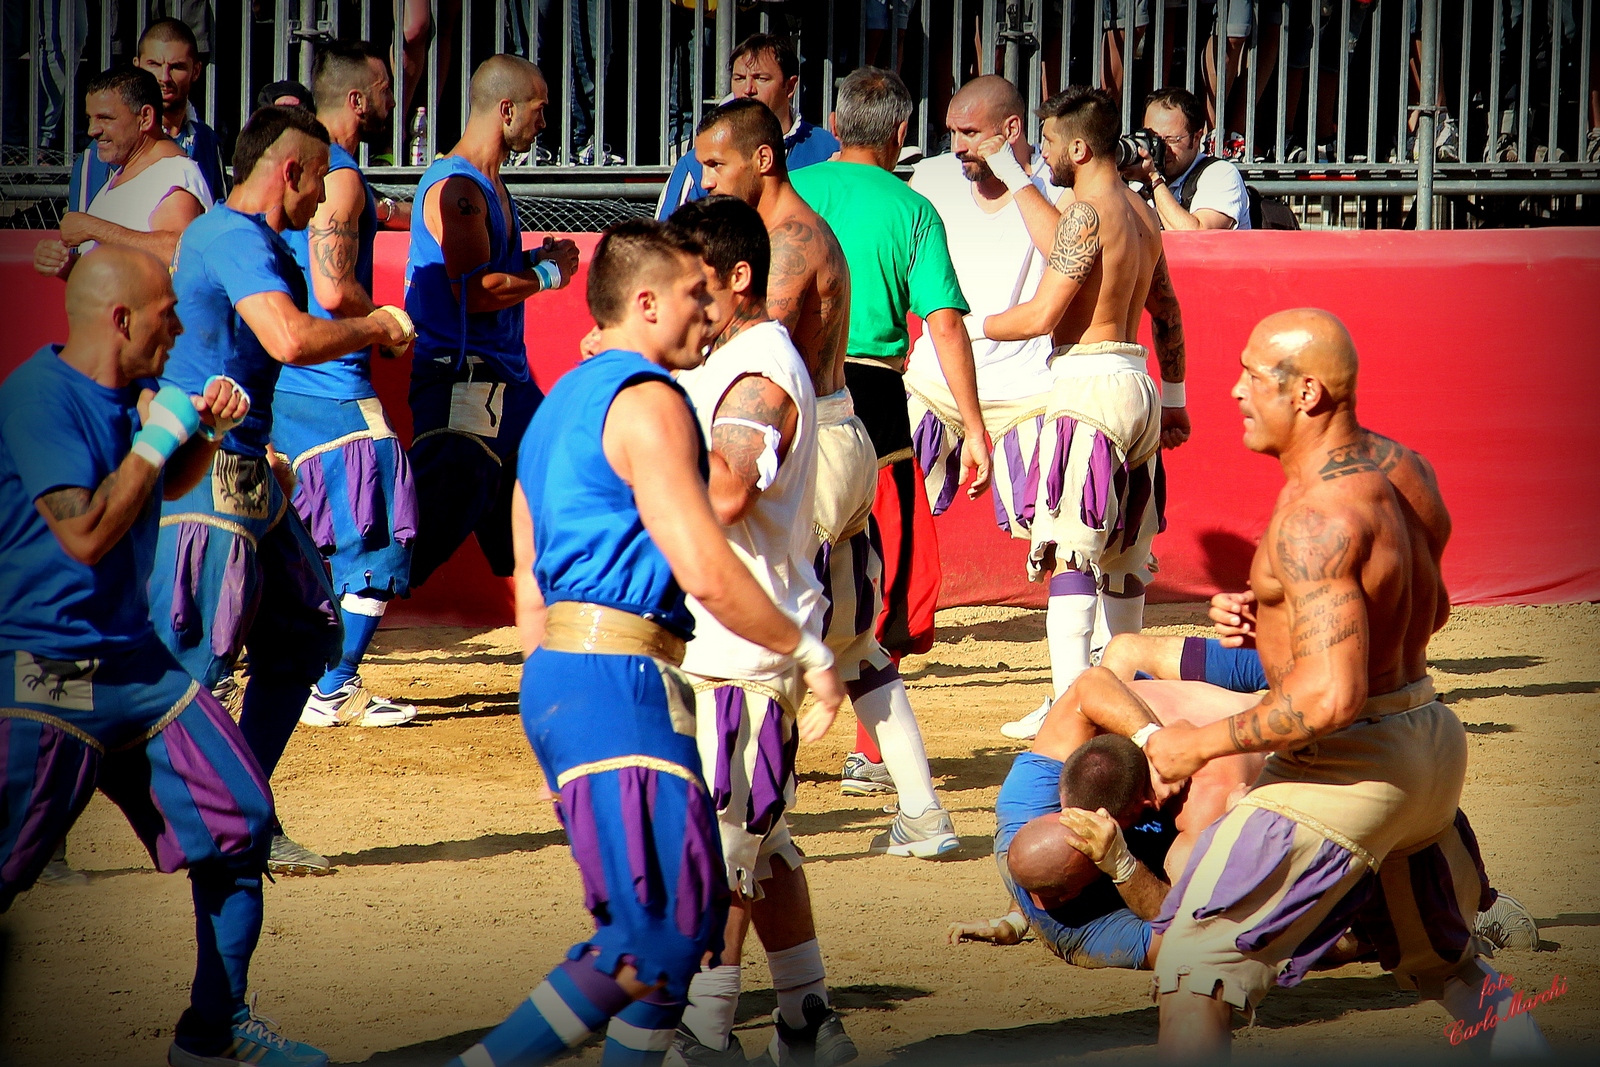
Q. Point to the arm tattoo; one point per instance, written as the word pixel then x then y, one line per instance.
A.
pixel 1348 459
pixel 1312 547
pixel 1166 324
pixel 739 446
pixel 73 501
pixel 1319 624
pixel 790 277
pixel 334 248
pixel 465 206
pixel 1077 245
pixel 1282 721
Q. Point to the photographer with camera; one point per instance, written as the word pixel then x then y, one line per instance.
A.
pixel 1190 189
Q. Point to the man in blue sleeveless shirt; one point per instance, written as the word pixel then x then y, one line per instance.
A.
pixel 87 450
pixel 467 275
pixel 352 479
pixel 613 527
pixel 235 568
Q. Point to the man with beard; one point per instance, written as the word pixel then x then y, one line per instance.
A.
pixel 1099 486
pixel 467 276
pixel 353 484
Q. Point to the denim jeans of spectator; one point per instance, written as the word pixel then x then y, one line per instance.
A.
pixel 63 29
pixel 586 41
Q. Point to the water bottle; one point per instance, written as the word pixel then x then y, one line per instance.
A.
pixel 419 138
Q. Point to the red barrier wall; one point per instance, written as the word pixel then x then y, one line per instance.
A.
pixel 1478 349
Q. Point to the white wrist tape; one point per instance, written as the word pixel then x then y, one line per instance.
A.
pixel 767 461
pixel 1174 395
pixel 1016 920
pixel 1142 734
pixel 1003 165
pixel 1118 862
pixel 399 315
pixel 549 275
pixel 217 432
pixel 811 654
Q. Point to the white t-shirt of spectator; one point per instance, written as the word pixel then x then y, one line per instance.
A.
pixel 998 267
pixel 1220 187
pixel 130 204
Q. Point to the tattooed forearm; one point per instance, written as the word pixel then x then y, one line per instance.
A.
pixel 1269 724
pixel 334 247
pixel 1166 324
pixel 1312 546
pixel 1077 245
pixel 74 501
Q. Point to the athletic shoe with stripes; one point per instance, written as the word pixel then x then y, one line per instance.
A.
pixel 255 1041
pixel 291 857
pixel 352 705
pixel 1507 924
pixel 929 834
pixel 864 778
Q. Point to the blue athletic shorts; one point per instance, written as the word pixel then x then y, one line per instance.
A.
pixel 140 728
pixel 1205 660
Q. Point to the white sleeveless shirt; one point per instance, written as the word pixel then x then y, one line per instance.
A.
pixel 773 537
pixel 131 203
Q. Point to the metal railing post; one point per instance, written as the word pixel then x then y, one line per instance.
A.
pixel 308 22
pixel 726 10
pixel 1427 113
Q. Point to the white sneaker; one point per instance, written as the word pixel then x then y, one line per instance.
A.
pixel 1027 727
pixel 352 705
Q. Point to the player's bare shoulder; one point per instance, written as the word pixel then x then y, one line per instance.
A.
pixel 1075 252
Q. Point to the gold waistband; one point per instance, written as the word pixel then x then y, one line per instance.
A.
pixel 1409 698
pixel 573 626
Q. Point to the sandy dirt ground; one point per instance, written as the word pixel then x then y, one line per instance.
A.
pixel 455 892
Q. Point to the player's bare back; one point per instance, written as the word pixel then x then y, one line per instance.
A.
pixel 808 290
pixel 1110 244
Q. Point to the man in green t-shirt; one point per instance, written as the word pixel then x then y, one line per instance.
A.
pixel 894 243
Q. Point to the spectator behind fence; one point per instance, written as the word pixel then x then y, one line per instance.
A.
pixel 1191 190
pixel 167 49
pixel 765 67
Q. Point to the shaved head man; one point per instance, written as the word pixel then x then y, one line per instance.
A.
pixel 1347 593
pixel 87 452
pixel 466 252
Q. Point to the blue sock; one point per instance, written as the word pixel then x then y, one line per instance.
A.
pixel 572 1002
pixel 641 1033
pixel 227 925
pixel 272 707
pixel 359 626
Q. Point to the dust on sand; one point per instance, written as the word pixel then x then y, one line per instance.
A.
pixel 455 892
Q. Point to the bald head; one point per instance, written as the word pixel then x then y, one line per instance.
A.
pixel 1307 343
pixel 504 78
pixel 992 97
pixel 1042 861
pixel 113 276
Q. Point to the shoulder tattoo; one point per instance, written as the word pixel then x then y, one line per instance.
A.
pixel 1312 546
pixel 1348 459
pixel 1077 244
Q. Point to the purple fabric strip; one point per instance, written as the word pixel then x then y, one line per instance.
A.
pixel 1136 500
pixel 1169 906
pixel 1263 843
pixel 1097 482
pixel 860 546
pixel 208 792
pixel 1372 916
pixel 362 484
pixel 404 502
pixel 227 625
pixel 632 787
pixel 1326 870
pixel 952 481
pixel 701 879
pixel 770 774
pixel 577 812
pixel 600 990
pixel 824 571
pixel 1161 494
pixel 311 501
pixel 1055 480
pixel 730 701
pixel 1016 468
pixel 63 777
pixel 1434 887
pixel 1072 583
pixel 193 537
pixel 1486 893
pixel 1329 930
pixel 1192 660
pixel 1030 484
pixel 926 439
pixel 223 723
pixel 1000 518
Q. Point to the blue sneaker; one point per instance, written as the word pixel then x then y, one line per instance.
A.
pixel 255 1041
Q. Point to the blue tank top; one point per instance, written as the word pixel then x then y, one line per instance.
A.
pixel 589 542
pixel 348 377
pixel 446 332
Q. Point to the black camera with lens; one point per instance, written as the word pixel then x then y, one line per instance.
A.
pixel 1128 146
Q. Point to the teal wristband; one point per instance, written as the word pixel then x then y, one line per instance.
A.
pixel 549 274
pixel 172 420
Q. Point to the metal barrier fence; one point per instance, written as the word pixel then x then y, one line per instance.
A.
pixel 1322 100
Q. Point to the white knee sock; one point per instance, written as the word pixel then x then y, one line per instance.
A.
pixel 1068 622
pixel 1517 1036
pixel 796 974
pixel 713 999
pixel 886 713
pixel 1123 615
